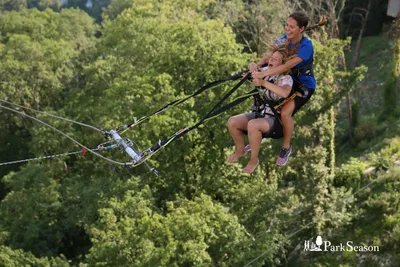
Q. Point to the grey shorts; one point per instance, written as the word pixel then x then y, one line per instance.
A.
pixel 270 119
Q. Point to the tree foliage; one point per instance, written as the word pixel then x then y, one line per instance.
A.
pixel 39 53
pixel 82 211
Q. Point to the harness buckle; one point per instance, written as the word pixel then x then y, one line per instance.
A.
pixel 253 108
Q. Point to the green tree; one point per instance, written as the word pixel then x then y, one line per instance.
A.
pixel 150 62
pixel 15 258
pixel 391 92
pixel 94 7
pixel 35 198
pixel 116 7
pixel 9 5
pixel 200 211
pixel 256 24
pixel 39 54
pixel 135 65
pixel 18 5
pixel 198 232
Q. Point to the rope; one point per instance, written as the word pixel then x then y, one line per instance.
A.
pixel 302 228
pixel 216 110
pixel 70 138
pixel 176 102
pixel 44 157
pixel 99 147
pixel 55 116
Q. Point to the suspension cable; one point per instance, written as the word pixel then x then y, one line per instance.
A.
pixel 44 157
pixel 82 151
pixel 65 135
pixel 51 115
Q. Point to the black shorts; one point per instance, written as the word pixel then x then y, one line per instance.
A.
pixel 270 119
pixel 300 101
pixel 275 131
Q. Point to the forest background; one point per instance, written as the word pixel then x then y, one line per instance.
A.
pixel 103 62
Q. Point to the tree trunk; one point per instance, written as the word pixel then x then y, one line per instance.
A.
pixel 397 59
pixel 358 44
pixel 354 64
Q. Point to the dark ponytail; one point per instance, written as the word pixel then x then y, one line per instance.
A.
pixel 302 20
pixel 321 23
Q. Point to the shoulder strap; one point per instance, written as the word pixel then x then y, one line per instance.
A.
pixel 307 69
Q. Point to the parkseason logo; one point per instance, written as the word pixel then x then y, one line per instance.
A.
pixel 325 245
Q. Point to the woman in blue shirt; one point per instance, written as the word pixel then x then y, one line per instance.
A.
pixel 302 74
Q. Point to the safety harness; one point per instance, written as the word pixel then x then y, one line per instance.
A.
pixel 276 132
pixel 306 70
pixel 215 111
pixel 263 105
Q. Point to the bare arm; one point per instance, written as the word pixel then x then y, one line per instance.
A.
pixel 282 91
pixel 278 70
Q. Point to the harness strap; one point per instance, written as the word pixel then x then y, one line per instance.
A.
pixel 216 110
pixel 179 101
pixel 285 101
pixel 306 70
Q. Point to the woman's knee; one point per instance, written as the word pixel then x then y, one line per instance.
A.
pixel 238 122
pixel 235 122
pixel 257 125
pixel 251 125
pixel 232 122
pixel 287 110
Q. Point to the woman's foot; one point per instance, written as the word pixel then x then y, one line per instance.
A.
pixel 234 157
pixel 251 167
pixel 283 156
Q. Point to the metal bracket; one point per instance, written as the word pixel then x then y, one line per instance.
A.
pixel 127 144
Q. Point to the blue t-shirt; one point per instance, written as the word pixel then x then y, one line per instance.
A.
pixel 306 53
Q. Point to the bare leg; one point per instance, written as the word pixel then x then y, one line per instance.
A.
pixel 236 125
pixel 287 123
pixel 255 130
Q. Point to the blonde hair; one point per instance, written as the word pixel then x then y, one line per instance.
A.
pixel 286 52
